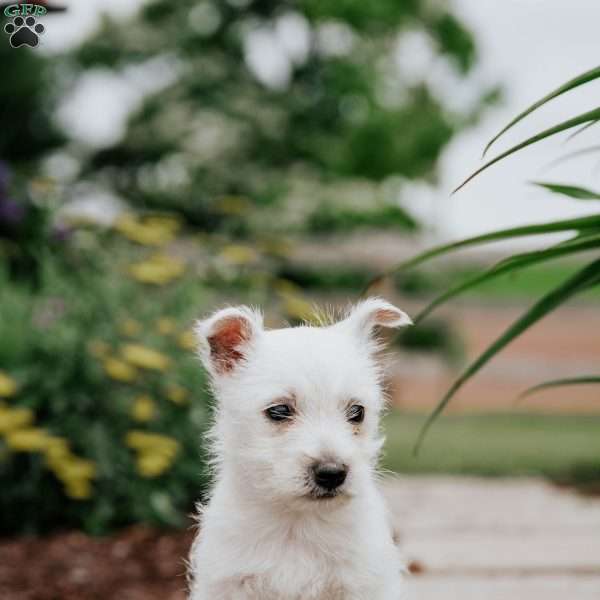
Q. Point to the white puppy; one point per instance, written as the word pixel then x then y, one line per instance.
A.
pixel 295 513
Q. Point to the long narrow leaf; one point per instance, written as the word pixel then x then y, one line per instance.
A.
pixel 590 223
pixel 583 279
pixel 576 154
pixel 591 115
pixel 580 131
pixel 572 191
pixel 566 87
pixel 512 264
pixel 585 380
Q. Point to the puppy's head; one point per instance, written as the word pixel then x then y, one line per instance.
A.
pixel 298 408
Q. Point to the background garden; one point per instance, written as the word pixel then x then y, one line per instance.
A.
pixel 271 153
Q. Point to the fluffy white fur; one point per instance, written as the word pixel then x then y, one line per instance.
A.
pixel 263 535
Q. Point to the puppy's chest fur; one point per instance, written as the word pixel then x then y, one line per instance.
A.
pixel 308 566
pixel 312 584
pixel 292 571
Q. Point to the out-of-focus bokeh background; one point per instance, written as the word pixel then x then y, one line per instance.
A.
pixel 159 159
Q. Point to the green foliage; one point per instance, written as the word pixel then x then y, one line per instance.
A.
pixel 329 219
pixel 323 278
pixel 454 40
pixel 374 17
pixel 26 231
pixel 583 226
pixel 435 336
pixel 342 113
pixel 587 277
pixel 586 239
pixel 568 381
pixel 586 117
pixel 581 79
pixel 28 98
pixel 93 357
pixel 512 265
pixel 103 407
pixel 572 191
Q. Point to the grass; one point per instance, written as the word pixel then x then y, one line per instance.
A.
pixel 563 448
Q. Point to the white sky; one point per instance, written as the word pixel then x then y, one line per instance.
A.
pixel 529 46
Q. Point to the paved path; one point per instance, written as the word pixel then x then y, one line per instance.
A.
pixel 493 539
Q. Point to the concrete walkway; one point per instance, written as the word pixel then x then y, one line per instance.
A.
pixel 490 539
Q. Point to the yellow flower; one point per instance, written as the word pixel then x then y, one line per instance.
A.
pixel 143 409
pixel 27 440
pixel 158 270
pixel 187 340
pixel 98 348
pixel 176 394
pixel 78 489
pixel 119 370
pixel 74 472
pixel 239 255
pixel 156 452
pixel 165 326
pixel 294 304
pixel 277 247
pixel 8 386
pixel 234 205
pixel 152 465
pixel 144 357
pixel 298 308
pixel 154 231
pixel 12 419
pixel 285 286
pixel 130 327
pixel 56 451
pixel 42 185
pixel 72 468
pixel 166 222
pixel 75 468
pixel 152 442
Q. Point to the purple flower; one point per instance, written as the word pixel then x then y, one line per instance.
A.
pixel 11 212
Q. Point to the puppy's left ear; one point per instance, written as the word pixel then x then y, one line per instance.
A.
pixel 371 313
pixel 226 338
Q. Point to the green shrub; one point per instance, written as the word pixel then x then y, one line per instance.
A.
pixel 102 404
pixel 581 246
pixel 328 218
pixel 434 336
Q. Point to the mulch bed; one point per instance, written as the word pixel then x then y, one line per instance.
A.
pixel 138 563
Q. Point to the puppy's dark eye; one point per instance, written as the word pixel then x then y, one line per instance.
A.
pixel 356 413
pixel 280 412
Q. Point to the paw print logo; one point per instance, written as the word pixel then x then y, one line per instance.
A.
pixel 24 32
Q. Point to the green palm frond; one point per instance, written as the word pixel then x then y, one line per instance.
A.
pixel 584 380
pixel 572 191
pixel 586 117
pixel 581 79
pixel 584 279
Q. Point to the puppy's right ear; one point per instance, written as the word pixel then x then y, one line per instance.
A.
pixel 226 337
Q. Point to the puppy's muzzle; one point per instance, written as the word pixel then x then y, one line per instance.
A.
pixel 329 476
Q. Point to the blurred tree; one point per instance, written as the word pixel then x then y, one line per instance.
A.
pixel 27 134
pixel 262 95
pixel 28 99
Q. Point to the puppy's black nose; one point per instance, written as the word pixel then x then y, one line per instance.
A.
pixel 330 475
